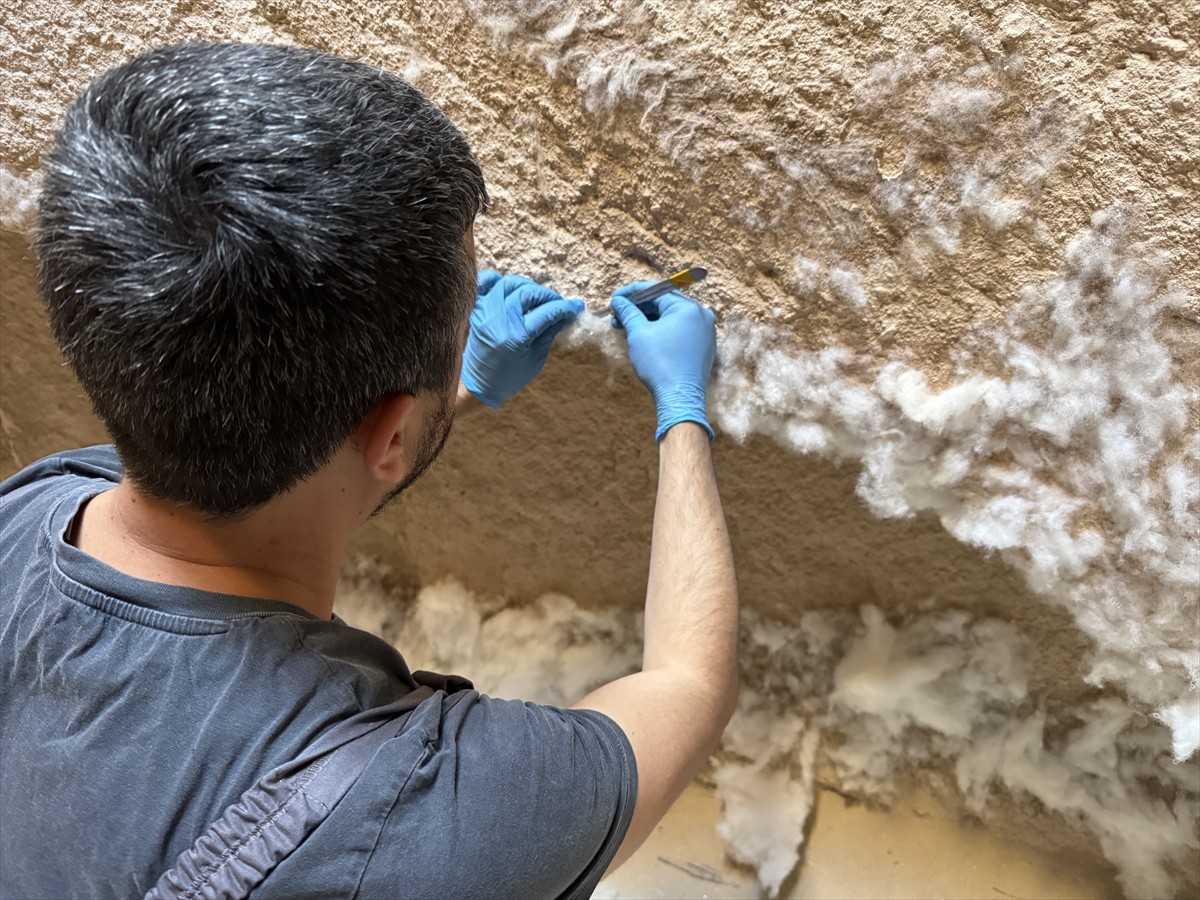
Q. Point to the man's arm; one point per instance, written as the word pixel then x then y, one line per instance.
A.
pixel 674 710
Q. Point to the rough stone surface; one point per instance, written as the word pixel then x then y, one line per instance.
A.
pixel 892 180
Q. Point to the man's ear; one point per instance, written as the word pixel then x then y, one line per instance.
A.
pixel 380 438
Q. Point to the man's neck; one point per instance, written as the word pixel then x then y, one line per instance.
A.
pixel 288 550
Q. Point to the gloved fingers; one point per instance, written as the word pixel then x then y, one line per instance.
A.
pixel 555 314
pixel 633 286
pixel 671 300
pixel 531 295
pixel 510 284
pixel 487 280
pixel 650 309
pixel 470 382
pixel 544 341
pixel 626 314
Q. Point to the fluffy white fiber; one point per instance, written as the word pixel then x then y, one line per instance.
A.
pixel 578 45
pixel 766 800
pixel 945 686
pixel 18 200
pixel 1105 773
pixel 846 284
pixel 1075 461
pixel 1062 462
pixel 551 652
pixel 995 150
pixel 942 688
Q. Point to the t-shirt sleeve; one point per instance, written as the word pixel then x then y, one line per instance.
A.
pixel 512 799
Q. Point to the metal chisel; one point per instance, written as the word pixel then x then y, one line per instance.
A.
pixel 679 280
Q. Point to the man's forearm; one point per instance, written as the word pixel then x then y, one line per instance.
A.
pixel 692 598
pixel 674 710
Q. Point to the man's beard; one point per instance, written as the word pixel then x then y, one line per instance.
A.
pixel 428 450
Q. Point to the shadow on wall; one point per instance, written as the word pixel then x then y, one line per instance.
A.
pixel 556 493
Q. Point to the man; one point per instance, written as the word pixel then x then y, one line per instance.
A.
pixel 259 262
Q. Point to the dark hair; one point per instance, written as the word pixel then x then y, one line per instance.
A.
pixel 242 248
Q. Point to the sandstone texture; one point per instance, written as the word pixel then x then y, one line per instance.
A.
pixel 953 248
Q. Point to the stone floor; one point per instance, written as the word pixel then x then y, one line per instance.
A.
pixel 915 850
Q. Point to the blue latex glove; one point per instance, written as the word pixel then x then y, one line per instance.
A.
pixel 672 344
pixel 514 322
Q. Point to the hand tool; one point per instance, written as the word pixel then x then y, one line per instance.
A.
pixel 683 279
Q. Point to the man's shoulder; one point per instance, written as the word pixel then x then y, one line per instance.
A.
pixel 534 799
pixel 540 797
pixel 99 463
pixel 29 498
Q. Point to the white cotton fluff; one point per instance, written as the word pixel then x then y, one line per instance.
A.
pixel 882 676
pixel 1183 490
pixel 595 329
pixel 847 285
pixel 807 273
pixel 999 524
pixel 19 200
pixel 609 74
pixel 1183 718
pixel 956 410
pixel 416 67
pixel 445 624
pixel 946 674
pixel 950 687
pixel 615 76
pixel 989 176
pixel 363 599
pixel 564 29
pixel 1082 402
pixel 767 798
pixel 549 652
pixel 937 686
pixel 961 109
pixel 1148 839
pixel 981 196
pixel 556 667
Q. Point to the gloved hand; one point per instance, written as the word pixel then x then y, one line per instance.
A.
pixel 672 344
pixel 514 322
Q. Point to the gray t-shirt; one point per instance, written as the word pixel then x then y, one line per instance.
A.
pixel 132 714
